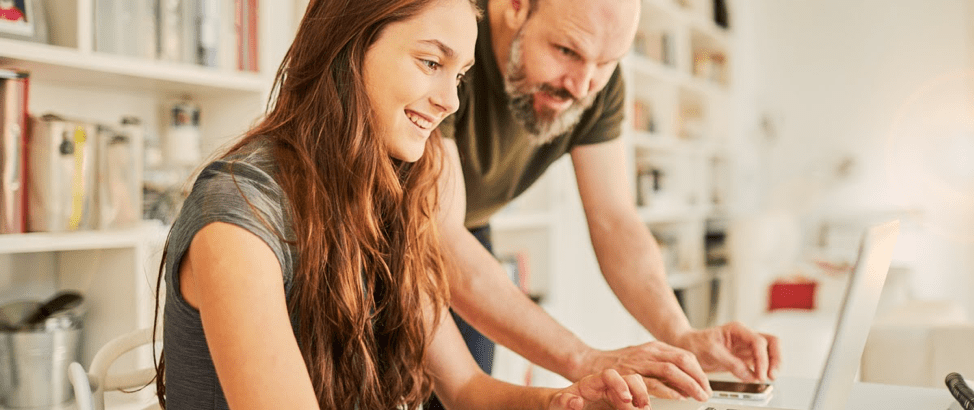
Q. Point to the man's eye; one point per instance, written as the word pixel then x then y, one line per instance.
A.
pixel 566 51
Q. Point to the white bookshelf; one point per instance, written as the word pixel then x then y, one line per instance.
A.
pixel 71 241
pixel 116 270
pixel 71 66
pixel 678 73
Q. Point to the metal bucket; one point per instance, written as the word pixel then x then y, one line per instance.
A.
pixel 34 361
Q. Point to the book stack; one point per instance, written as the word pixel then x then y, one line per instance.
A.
pixel 211 33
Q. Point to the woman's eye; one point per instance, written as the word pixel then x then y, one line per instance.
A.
pixel 429 64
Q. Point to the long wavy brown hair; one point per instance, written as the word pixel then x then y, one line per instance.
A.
pixel 369 263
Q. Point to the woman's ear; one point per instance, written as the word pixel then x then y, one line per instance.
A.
pixel 516 13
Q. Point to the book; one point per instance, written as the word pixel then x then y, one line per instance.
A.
pixel 125 27
pixel 13 160
pixel 227 49
pixel 190 34
pixel 252 51
pixel 247 47
pixel 170 30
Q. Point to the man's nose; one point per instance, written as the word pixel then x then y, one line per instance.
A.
pixel 579 81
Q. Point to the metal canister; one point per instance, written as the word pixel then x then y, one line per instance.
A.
pixel 34 361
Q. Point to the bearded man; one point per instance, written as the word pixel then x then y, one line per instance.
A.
pixel 547 83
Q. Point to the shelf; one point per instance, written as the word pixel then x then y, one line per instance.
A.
pixel 520 220
pixel 694 20
pixel 73 67
pixel 718 36
pixel 646 66
pixel 716 147
pixel 671 213
pixel 665 6
pixel 74 241
pixel 659 142
pixel 708 89
pixel 130 404
pixel 686 279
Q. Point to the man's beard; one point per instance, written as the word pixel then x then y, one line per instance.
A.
pixel 546 125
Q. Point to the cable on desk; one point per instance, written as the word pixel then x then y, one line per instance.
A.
pixel 960 390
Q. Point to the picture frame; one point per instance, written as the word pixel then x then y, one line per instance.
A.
pixel 23 20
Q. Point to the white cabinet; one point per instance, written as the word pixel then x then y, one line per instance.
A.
pixel 116 270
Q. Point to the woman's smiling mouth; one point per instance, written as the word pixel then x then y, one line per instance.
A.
pixel 419 120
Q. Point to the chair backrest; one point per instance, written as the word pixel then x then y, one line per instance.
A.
pixel 90 386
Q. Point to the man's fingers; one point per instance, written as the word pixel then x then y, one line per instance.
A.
pixel 756 347
pixel 682 373
pixel 760 346
pixel 640 396
pixel 733 364
pixel 679 369
pixel 691 366
pixel 659 389
pixel 774 356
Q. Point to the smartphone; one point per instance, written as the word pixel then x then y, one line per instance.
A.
pixel 740 390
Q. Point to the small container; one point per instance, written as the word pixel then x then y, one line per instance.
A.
pixel 34 361
pixel 119 179
pixel 182 137
pixel 62 175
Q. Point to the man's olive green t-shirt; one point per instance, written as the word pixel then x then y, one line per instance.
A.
pixel 499 159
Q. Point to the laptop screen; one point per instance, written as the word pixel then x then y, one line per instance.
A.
pixel 855 316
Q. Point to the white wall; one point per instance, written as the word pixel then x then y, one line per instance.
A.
pixel 885 83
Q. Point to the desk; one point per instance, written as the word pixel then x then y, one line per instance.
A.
pixel 796 393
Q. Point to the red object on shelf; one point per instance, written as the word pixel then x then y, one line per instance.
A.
pixel 792 293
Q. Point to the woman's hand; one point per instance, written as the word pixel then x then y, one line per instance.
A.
pixel 605 390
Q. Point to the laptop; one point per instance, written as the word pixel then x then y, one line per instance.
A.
pixel 855 317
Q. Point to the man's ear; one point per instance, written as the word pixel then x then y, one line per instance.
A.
pixel 516 13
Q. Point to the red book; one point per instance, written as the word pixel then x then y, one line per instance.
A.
pixel 13 151
pixel 252 64
pixel 238 16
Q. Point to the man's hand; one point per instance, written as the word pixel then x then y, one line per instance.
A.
pixel 668 372
pixel 750 356
pixel 604 390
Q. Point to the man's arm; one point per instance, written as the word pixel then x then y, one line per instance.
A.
pixel 484 296
pixel 627 253
pixel 632 265
pixel 482 293
pixel 460 384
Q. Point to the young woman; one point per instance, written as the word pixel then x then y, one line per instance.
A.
pixel 303 270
